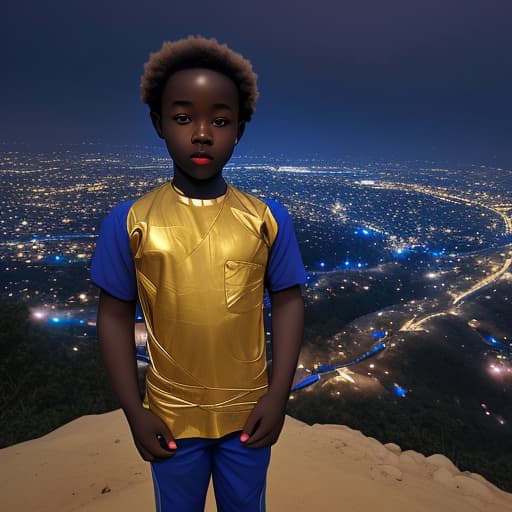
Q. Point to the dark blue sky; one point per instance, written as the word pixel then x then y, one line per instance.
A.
pixel 362 78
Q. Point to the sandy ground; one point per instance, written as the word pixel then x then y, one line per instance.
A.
pixel 91 465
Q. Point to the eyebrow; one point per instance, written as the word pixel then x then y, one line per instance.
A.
pixel 184 103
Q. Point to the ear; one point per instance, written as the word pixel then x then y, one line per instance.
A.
pixel 155 118
pixel 241 129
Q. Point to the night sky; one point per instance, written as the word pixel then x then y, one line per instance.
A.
pixel 393 79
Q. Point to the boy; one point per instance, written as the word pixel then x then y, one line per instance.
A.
pixel 197 253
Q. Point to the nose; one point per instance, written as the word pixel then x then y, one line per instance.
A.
pixel 202 134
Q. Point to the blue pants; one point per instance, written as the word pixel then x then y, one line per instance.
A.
pixel 239 476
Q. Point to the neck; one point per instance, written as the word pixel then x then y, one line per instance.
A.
pixel 199 189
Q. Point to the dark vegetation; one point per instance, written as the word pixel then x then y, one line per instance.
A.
pixel 442 414
pixel 45 383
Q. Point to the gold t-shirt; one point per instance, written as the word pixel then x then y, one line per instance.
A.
pixel 200 267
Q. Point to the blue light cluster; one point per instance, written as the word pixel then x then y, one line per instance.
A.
pixel 311 278
pixel 404 251
pixel 56 320
pixel 401 252
pixel 493 342
pixel 364 232
pixel 490 340
pixel 61 259
pixel 347 264
pixel 56 259
pixel 324 368
pixel 399 391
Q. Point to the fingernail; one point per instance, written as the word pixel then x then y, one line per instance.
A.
pixel 172 445
pixel 244 437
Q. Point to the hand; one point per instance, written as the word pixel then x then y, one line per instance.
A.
pixel 146 426
pixel 265 421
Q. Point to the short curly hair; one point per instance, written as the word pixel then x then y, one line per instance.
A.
pixel 197 51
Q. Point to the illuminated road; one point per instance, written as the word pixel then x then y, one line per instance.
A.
pixel 484 282
pixel 414 323
pixel 501 210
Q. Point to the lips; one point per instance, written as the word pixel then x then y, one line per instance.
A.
pixel 201 158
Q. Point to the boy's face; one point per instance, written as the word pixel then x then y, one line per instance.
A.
pixel 199 116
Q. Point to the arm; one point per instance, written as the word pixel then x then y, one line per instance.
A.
pixel 287 330
pixel 115 325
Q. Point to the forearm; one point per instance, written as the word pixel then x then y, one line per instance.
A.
pixel 115 327
pixel 287 331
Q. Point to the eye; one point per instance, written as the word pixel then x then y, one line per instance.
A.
pixel 181 118
pixel 220 121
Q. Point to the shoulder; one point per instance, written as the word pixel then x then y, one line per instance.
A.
pixel 157 195
pixel 117 216
pixel 278 210
pixel 121 210
pixel 275 207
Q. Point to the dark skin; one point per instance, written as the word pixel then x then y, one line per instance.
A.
pixel 199 114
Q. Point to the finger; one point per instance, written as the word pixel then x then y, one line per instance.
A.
pixel 166 444
pixel 261 430
pixel 161 453
pixel 251 425
pixel 152 447
pixel 265 441
pixel 256 427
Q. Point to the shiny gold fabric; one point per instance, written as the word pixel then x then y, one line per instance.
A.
pixel 200 266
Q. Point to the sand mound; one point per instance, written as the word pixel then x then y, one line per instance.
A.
pixel 91 465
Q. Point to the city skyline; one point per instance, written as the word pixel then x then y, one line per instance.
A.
pixel 400 80
pixel 383 127
pixel 406 299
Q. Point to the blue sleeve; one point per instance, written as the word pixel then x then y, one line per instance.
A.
pixel 284 267
pixel 112 267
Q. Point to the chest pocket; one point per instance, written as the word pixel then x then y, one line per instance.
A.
pixel 243 285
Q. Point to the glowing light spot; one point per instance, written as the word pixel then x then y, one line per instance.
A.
pixel 398 390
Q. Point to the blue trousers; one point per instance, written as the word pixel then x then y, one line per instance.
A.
pixel 239 476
